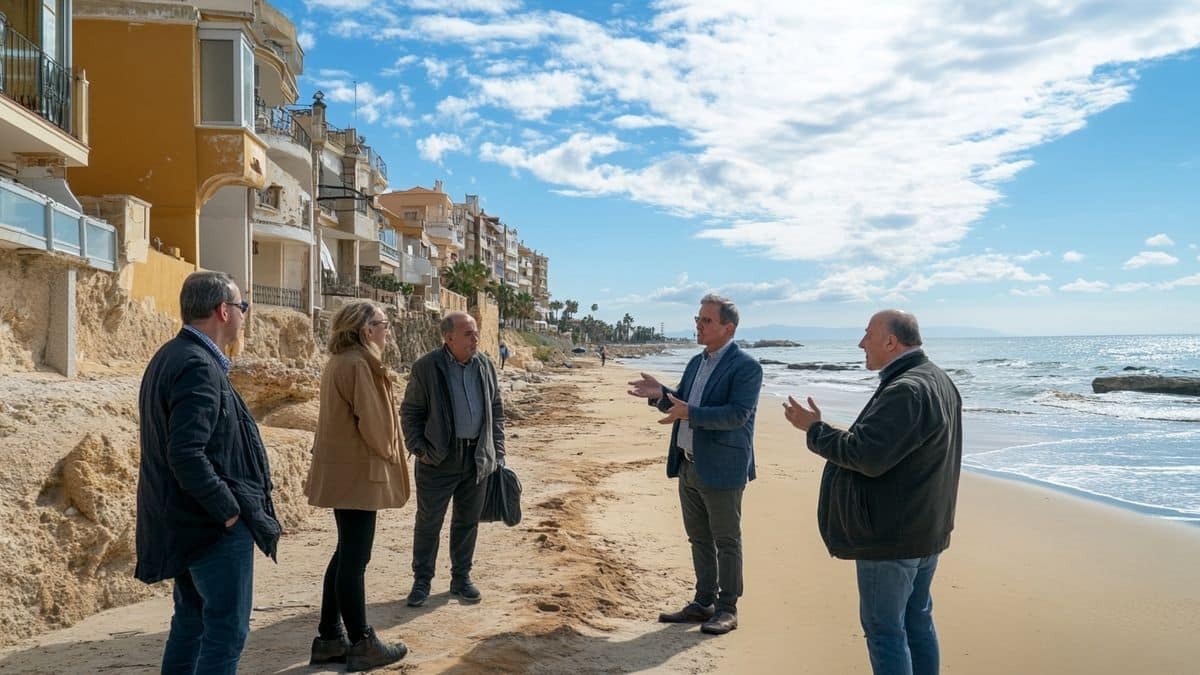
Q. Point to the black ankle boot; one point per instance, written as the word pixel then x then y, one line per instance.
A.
pixel 371 652
pixel 329 651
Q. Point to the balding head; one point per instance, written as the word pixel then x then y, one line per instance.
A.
pixel 461 335
pixel 889 334
pixel 901 324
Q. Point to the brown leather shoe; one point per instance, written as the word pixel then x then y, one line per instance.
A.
pixel 693 613
pixel 721 623
pixel 371 652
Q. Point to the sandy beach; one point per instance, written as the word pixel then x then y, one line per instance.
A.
pixel 1035 581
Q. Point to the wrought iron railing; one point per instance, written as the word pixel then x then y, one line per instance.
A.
pixel 280 297
pixel 280 122
pixel 33 79
pixel 374 160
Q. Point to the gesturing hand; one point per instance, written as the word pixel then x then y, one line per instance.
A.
pixel 678 410
pixel 802 418
pixel 647 387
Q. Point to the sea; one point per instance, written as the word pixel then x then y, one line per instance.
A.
pixel 1028 407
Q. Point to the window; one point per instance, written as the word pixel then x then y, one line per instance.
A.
pixel 226 78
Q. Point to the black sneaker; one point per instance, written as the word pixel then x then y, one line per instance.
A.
pixel 419 594
pixel 329 651
pixel 371 652
pixel 463 588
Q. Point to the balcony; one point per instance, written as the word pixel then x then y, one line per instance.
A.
pixel 229 155
pixel 38 102
pixel 374 160
pixel 288 144
pixel 294 298
pixel 270 222
pixel 414 270
pixel 443 233
pixel 29 219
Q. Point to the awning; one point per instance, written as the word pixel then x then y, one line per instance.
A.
pixel 327 258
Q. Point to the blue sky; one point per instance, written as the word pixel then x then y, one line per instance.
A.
pixel 1032 170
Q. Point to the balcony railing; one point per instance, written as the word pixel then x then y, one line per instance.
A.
pixel 280 122
pixel 280 297
pixel 33 79
pixel 375 160
pixel 30 219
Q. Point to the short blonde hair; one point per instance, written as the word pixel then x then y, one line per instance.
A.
pixel 348 324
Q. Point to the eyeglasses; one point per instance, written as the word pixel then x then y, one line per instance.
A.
pixel 703 319
pixel 243 305
pixel 376 324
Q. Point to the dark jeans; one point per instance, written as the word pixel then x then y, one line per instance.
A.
pixel 713 521
pixel 343 598
pixel 212 607
pixel 454 477
pixel 896 611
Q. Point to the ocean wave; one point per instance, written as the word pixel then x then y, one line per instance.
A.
pixel 1166 410
pixel 998 411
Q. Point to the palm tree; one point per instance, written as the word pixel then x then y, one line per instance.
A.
pixel 466 277
pixel 595 307
pixel 503 294
pixel 626 324
pixel 555 305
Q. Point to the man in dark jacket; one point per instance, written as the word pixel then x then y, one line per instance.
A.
pixel 204 488
pixel 453 422
pixel 712 453
pixel 889 490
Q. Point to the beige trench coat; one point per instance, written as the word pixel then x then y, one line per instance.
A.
pixel 358 454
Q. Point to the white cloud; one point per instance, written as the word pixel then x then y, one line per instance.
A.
pixel 1161 240
pixel 434 146
pixel 465 6
pixel 399 66
pixel 1072 257
pixel 373 105
pixel 1035 292
pixel 340 5
pixel 1132 287
pixel 1150 258
pixel 1183 282
pixel 306 39
pixel 638 122
pixel 1083 286
pixel 986 267
pixel 897 141
pixel 436 70
pixel 1032 255
pixel 532 97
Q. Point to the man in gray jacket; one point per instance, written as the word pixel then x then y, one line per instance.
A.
pixel 453 422
pixel 889 490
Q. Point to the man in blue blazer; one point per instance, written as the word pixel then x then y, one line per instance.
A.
pixel 712 454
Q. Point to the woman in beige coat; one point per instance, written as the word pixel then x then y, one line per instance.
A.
pixel 358 467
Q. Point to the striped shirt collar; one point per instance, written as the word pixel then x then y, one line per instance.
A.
pixel 716 356
pixel 222 360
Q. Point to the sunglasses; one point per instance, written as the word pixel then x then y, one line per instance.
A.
pixel 703 319
pixel 243 305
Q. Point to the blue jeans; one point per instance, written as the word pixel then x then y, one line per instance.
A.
pixel 212 608
pixel 896 611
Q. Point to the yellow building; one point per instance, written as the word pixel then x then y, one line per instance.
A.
pixel 188 117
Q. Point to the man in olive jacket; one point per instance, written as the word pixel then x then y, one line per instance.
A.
pixel 889 490
pixel 204 486
pixel 453 422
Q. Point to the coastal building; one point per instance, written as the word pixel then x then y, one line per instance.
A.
pixel 44 132
pixel 541 285
pixel 524 269
pixel 433 211
pixel 348 174
pixel 190 114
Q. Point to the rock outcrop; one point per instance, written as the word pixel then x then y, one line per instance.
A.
pixel 1150 384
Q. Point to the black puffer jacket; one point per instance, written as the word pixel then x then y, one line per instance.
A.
pixel 891 482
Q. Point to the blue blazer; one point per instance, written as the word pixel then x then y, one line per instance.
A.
pixel 723 423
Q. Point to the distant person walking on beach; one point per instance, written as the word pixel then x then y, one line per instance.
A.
pixel 889 491
pixel 503 354
pixel 712 453
pixel 453 421
pixel 358 467
pixel 603 356
pixel 204 486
